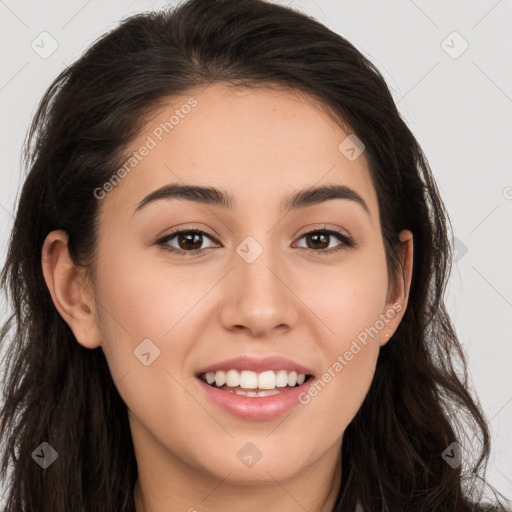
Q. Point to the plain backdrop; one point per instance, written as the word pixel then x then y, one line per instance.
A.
pixel 448 65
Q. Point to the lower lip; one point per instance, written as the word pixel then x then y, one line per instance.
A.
pixel 255 408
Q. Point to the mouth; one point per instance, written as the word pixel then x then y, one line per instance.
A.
pixel 255 384
pixel 255 388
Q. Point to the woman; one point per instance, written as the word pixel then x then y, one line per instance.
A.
pixel 303 359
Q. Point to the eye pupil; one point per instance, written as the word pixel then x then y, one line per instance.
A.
pixel 187 237
pixel 315 237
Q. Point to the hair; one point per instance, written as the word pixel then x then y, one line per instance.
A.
pixel 60 392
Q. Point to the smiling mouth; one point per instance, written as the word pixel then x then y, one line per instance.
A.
pixel 255 384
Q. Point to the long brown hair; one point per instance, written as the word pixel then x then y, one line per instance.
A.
pixel 59 392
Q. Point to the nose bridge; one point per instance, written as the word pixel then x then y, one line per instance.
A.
pixel 259 297
pixel 257 271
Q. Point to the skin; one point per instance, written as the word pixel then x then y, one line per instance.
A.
pixel 260 145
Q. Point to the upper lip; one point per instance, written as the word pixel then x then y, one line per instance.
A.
pixel 256 364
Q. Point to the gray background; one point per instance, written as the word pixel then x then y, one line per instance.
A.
pixel 457 103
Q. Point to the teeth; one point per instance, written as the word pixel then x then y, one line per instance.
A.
pixel 254 394
pixel 268 380
pixel 281 379
pixel 248 380
pixel 219 378
pixel 232 379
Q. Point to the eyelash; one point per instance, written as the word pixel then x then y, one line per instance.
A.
pixel 347 241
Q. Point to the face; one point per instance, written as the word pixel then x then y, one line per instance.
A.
pixel 302 288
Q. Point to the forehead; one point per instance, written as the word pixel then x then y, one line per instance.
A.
pixel 257 143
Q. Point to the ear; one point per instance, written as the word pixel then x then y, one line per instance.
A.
pixel 397 303
pixel 70 289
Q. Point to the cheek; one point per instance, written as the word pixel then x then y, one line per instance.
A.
pixel 139 311
pixel 349 361
pixel 349 300
pixel 348 297
pixel 146 296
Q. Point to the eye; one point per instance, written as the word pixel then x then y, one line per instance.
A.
pixel 189 241
pixel 321 240
pixel 186 239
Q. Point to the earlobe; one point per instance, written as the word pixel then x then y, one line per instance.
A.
pixel 67 286
pixel 397 306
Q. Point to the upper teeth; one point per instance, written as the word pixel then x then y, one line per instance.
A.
pixel 252 380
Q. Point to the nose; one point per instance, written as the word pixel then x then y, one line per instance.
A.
pixel 259 297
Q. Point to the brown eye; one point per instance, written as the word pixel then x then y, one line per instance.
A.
pixel 188 241
pixel 320 240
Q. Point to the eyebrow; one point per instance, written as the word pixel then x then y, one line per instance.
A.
pixel 216 197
